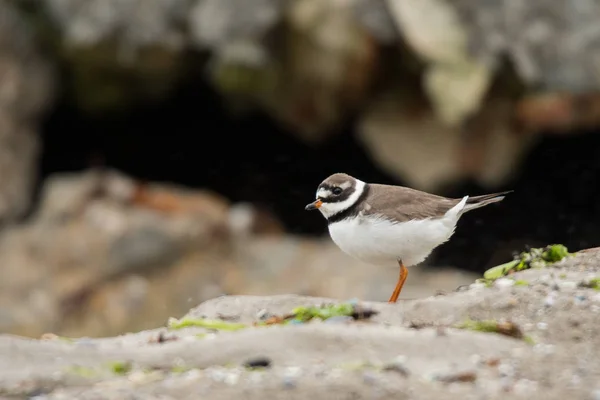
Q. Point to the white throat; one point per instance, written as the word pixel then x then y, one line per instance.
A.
pixel 330 209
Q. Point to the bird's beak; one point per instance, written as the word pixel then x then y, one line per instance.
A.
pixel 314 205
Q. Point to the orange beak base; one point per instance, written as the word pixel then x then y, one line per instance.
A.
pixel 314 205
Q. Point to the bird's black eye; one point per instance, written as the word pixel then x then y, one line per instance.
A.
pixel 337 191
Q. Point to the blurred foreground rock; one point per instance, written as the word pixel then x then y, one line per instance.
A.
pixel 544 346
pixel 92 239
pixel 105 254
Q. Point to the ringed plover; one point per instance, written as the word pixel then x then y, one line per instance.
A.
pixel 381 224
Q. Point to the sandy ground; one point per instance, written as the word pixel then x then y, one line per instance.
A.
pixel 408 350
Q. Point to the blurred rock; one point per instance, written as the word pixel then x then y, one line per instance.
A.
pixel 137 23
pixel 409 141
pixel 375 18
pixel 312 64
pixel 524 31
pixel 310 96
pixel 259 51
pixel 119 53
pixel 99 229
pixel 557 112
pixel 454 80
pixel 25 88
pixel 216 23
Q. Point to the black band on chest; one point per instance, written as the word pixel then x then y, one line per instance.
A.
pixel 351 211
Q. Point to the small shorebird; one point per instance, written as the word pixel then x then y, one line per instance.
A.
pixel 383 224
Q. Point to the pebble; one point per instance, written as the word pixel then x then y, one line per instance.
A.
pixel 503 283
pixel 544 348
pixel 549 300
pixel 227 376
pixel 255 378
pixel 289 382
pixel 399 359
pixel 477 285
pixel 85 341
pixel 506 370
pixel 506 383
pixel 232 378
pixel 40 396
pixel 138 377
pixel 475 359
pixel 193 374
pixel 542 326
pixel 525 386
pixel 369 378
pixel 290 375
pixel 263 314
pixel 260 362
pixel 546 279
pixel 398 364
pixel 293 371
pixel 217 374
pixel 456 376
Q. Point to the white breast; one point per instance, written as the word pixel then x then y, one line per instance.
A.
pixel 376 240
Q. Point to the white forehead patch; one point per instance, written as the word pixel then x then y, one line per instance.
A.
pixel 323 193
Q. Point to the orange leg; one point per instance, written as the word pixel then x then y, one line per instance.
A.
pixel 401 280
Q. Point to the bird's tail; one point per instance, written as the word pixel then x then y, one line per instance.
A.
pixel 483 200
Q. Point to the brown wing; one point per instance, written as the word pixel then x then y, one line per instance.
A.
pixel 404 204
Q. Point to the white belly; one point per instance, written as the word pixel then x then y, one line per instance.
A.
pixel 381 242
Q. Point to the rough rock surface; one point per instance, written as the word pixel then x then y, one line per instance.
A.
pixel 411 350
pixel 25 88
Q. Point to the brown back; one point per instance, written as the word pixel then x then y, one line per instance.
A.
pixel 403 203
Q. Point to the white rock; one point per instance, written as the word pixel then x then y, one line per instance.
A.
pixel 477 285
pixel 504 283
